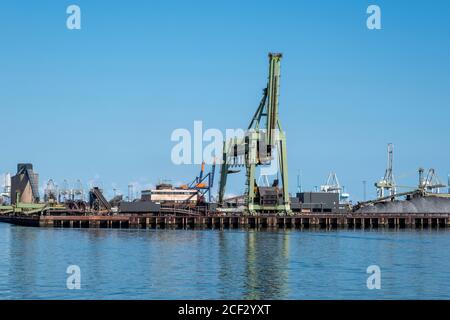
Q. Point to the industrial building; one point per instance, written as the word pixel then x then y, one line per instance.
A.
pixel 138 207
pixel 309 202
pixel 25 185
pixel 167 194
pixel 98 202
pixel 195 193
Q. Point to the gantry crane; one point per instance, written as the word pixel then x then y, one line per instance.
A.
pixel 431 183
pixel 333 185
pixel 264 144
pixel 203 183
pixel 448 183
pixel 387 183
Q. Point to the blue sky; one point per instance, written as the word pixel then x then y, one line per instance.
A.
pixel 100 103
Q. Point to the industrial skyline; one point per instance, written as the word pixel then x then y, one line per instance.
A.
pixel 231 153
pixel 104 92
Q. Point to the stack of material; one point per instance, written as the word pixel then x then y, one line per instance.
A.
pixel 415 205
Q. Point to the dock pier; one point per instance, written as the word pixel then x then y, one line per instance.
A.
pixel 215 221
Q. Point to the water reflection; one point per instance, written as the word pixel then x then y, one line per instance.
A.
pixel 253 265
pixel 267 258
pixel 227 264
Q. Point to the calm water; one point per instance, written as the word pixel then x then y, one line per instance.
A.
pixel 231 264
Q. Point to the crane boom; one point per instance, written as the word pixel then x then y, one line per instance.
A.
pixel 257 148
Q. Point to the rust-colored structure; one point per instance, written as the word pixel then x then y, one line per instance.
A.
pixel 25 185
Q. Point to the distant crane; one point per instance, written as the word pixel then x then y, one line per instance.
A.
pixel 429 186
pixel 203 182
pixel 299 182
pixel 448 183
pixel 387 183
pixel 64 192
pixel 78 191
pixel 431 183
pixel 6 193
pixel 130 192
pixel 50 192
pixel 333 185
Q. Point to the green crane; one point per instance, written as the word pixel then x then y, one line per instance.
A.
pixel 264 144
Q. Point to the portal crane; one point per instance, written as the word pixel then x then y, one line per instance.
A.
pixel 264 144
pixel 431 182
pixel 332 184
pixel 448 183
pixel 387 183
pixel 50 192
pixel 203 183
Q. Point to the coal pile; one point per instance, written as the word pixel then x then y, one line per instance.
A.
pixel 415 205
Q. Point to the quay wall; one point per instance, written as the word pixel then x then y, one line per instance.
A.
pixel 299 221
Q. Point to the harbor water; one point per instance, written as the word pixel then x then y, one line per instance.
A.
pixel 223 264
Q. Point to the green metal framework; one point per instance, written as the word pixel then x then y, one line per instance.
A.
pixel 258 145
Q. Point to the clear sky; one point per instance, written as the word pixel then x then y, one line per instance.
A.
pixel 101 103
